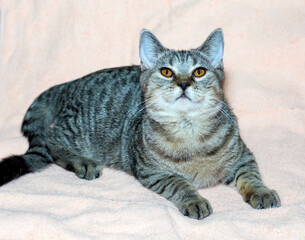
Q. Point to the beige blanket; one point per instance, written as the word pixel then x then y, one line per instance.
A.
pixel 43 43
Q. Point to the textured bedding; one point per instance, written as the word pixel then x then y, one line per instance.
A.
pixel 43 43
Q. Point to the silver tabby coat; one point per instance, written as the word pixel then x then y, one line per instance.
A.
pixel 165 122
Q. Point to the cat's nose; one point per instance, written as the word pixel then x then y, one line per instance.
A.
pixel 184 85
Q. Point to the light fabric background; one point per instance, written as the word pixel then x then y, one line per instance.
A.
pixel 43 43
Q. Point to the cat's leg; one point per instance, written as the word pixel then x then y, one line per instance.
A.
pixel 248 182
pixel 83 167
pixel 177 190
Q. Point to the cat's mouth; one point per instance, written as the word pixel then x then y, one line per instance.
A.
pixel 183 96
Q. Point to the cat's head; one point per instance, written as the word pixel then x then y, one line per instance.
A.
pixel 182 82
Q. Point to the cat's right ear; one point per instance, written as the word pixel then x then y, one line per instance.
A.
pixel 213 48
pixel 150 48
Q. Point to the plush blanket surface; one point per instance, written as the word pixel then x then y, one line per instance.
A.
pixel 43 43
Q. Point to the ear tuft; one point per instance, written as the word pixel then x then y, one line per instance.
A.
pixel 213 47
pixel 150 48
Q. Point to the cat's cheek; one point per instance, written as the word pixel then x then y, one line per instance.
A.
pixel 169 98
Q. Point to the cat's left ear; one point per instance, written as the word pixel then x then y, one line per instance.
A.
pixel 213 47
pixel 150 48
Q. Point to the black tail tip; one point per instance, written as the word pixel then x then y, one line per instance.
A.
pixel 12 168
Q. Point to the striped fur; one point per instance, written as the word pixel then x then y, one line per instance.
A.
pixel 174 134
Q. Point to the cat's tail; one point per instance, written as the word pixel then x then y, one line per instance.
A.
pixel 35 125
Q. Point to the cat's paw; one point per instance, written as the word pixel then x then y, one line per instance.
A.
pixel 197 209
pixel 264 198
pixel 88 171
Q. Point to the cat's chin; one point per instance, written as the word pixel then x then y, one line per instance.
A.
pixel 185 104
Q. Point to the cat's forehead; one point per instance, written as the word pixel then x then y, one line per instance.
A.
pixel 183 60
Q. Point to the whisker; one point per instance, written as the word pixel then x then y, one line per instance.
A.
pixel 227 116
pixel 221 102
pixel 147 104
pixel 136 106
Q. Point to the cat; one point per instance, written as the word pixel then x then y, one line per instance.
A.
pixel 165 122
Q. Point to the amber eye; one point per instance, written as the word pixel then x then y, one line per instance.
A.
pixel 199 72
pixel 166 72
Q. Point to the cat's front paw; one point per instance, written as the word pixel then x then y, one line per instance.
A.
pixel 197 209
pixel 264 198
pixel 86 170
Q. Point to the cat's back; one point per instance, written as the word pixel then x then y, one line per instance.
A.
pixel 91 111
pixel 105 81
pixel 105 94
pixel 116 79
pixel 96 87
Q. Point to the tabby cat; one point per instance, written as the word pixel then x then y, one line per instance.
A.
pixel 165 122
